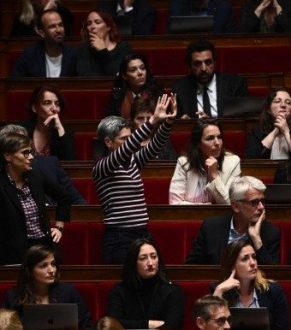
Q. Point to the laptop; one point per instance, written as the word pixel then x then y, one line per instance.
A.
pixel 190 24
pixel 50 317
pixel 250 318
pixel 242 106
pixel 278 193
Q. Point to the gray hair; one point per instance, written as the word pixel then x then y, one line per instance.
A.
pixel 110 127
pixel 11 128
pixel 241 185
pixel 204 305
pixel 13 138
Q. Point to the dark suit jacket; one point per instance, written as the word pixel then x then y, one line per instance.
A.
pixel 212 239
pixel 59 293
pixel 13 238
pixel 51 167
pixel 142 17
pixel 220 9
pixel 31 63
pixel 228 86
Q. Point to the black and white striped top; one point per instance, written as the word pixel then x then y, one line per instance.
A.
pixel 118 181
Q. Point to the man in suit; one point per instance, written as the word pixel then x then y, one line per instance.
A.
pixel 139 13
pixel 203 84
pixel 247 220
pixel 49 57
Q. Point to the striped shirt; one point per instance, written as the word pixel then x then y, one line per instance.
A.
pixel 118 181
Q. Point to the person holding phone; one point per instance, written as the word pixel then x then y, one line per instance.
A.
pixel 245 285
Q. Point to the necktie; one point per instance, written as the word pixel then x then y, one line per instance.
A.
pixel 206 101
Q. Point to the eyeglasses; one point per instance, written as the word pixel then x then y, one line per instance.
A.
pixel 221 321
pixel 254 202
pixel 27 152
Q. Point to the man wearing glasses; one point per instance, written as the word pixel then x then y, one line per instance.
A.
pixel 247 220
pixel 212 313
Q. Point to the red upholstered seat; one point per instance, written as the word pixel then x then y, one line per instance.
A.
pixel 156 190
pixel 285 243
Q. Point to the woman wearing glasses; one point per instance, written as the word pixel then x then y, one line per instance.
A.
pixel 23 218
pixel 271 139
pixel 245 285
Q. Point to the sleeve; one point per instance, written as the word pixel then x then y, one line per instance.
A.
pixel 255 148
pixel 269 253
pixel 64 148
pixel 279 314
pixel 116 308
pixel 107 165
pixel 240 86
pixel 219 187
pixel 281 175
pixel 175 309
pixel 177 191
pixel 249 22
pixel 197 254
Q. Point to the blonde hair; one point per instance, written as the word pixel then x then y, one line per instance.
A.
pixel 27 13
pixel 9 320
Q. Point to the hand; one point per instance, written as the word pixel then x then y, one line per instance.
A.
pixel 261 7
pixel 173 107
pixel 254 230
pixel 277 7
pixel 128 3
pixel 211 165
pixel 51 4
pixel 56 234
pixel 282 125
pixel 55 121
pixel 202 115
pixel 161 109
pixel 97 41
pixel 154 324
pixel 227 285
pixel 185 117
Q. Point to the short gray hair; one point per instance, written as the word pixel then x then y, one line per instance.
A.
pixel 241 185
pixel 110 127
pixel 11 128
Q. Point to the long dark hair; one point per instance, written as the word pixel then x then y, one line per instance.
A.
pixel 129 273
pixel 25 288
pixel 150 86
pixel 266 118
pixel 195 159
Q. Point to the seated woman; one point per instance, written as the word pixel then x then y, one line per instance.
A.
pixel 245 285
pixel 45 128
pixel 206 172
pixel 134 80
pixel 103 50
pixel 38 283
pixel 24 24
pixel 271 139
pixel 145 298
pixel 23 218
pixel 141 110
pixel 265 16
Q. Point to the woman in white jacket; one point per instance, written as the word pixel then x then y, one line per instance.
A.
pixel 205 173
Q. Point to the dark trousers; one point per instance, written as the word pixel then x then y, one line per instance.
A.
pixel 117 240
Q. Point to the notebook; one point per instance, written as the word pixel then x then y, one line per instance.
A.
pixel 250 318
pixel 50 316
pixel 190 24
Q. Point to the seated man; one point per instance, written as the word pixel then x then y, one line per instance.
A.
pixel 211 312
pixel 140 13
pixel 247 219
pixel 203 91
pixel 49 57
pixel 221 11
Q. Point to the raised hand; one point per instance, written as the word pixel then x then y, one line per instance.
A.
pixel 228 284
pixel 261 7
pixel 161 112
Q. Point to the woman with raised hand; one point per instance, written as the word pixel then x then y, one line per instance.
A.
pixel 271 138
pixel 206 172
pixel 245 285
pixel 146 298
pixel 38 283
pixel 103 50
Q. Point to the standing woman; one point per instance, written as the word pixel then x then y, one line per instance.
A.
pixel 24 24
pixel 38 283
pixel 134 80
pixel 265 16
pixel 245 285
pixel 205 174
pixel 23 218
pixel 271 139
pixel 45 128
pixel 103 50
pixel 145 298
